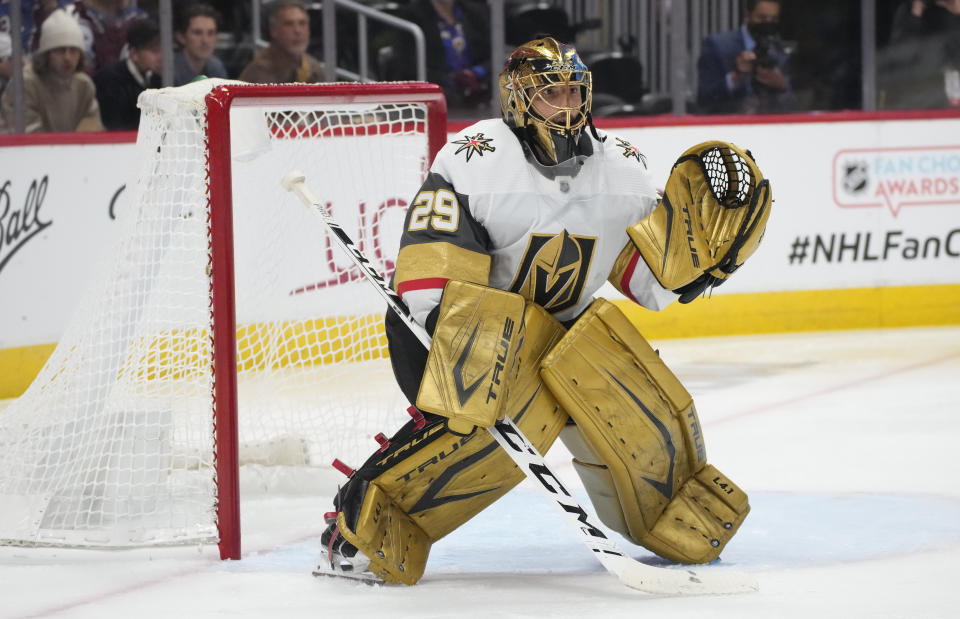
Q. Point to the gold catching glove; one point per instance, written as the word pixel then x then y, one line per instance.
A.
pixel 710 220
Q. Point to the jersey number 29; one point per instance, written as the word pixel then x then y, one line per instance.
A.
pixel 437 209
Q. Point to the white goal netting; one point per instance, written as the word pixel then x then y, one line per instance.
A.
pixel 115 443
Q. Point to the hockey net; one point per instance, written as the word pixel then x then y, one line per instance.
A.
pixel 223 331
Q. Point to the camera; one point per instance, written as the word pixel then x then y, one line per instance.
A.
pixel 765 56
pixel 767 37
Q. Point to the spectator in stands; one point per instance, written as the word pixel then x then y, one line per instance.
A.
pixel 920 68
pixel 457 34
pixel 58 95
pixel 745 70
pixel 6 60
pixel 105 24
pixel 922 18
pixel 286 58
pixel 28 11
pixel 119 84
pixel 40 10
pixel 6 70
pixel 196 33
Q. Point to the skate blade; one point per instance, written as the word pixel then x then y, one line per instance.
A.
pixel 365 577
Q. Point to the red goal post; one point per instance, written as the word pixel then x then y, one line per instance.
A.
pixel 132 434
pixel 219 102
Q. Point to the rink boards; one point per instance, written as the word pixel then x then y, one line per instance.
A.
pixel 865 230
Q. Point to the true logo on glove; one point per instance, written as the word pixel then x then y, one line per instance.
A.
pixel 693 250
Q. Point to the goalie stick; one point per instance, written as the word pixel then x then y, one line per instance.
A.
pixel 632 573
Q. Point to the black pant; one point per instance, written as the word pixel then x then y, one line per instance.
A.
pixel 407 355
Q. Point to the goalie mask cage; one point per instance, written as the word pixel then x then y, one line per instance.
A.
pixel 223 328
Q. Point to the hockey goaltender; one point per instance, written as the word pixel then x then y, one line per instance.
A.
pixel 518 223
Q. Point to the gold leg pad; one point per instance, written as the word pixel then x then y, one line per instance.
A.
pixel 442 483
pixel 638 443
pixel 700 520
pixel 432 481
pixel 396 546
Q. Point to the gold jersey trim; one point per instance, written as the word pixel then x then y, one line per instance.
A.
pixel 441 260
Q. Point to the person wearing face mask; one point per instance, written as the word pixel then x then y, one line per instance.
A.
pixel 745 71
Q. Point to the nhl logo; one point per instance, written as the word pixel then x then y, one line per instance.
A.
pixel 855 176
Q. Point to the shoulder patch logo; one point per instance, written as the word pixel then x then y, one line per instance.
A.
pixel 474 144
pixel 629 150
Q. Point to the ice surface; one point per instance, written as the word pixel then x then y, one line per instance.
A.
pixel 845 441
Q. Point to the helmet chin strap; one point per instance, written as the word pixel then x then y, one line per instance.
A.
pixel 565 146
pixel 593 130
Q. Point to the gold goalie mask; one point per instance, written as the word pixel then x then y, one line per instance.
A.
pixel 711 218
pixel 546 93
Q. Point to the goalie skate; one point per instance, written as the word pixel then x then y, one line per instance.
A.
pixel 340 558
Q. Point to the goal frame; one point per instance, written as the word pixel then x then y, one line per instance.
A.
pixel 221 253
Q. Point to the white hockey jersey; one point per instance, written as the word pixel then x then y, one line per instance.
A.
pixel 489 214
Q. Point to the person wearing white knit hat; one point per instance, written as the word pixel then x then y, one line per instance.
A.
pixel 61 33
pixel 58 95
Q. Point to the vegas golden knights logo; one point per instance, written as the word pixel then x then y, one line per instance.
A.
pixel 554 269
